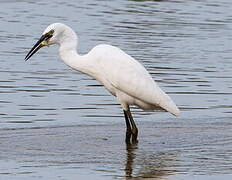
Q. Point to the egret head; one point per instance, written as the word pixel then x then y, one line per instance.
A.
pixel 54 34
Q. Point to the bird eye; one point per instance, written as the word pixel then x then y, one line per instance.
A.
pixel 49 34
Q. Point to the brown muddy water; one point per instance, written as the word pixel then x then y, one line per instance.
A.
pixel 56 123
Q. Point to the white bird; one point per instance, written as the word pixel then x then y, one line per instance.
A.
pixel 121 74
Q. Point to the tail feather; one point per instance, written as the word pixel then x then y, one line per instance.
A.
pixel 171 107
pixel 167 104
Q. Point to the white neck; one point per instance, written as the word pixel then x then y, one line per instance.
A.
pixel 69 55
pixel 73 59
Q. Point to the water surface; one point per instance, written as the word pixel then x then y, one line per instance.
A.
pixel 57 123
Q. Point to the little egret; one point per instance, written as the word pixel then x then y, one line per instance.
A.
pixel 121 74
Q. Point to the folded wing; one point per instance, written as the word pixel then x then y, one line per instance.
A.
pixel 129 76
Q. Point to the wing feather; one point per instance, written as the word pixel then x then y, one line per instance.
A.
pixel 129 76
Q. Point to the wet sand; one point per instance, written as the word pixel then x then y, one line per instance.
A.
pixel 166 150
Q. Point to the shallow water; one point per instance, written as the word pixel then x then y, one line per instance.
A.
pixel 57 123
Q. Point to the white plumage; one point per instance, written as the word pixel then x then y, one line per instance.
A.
pixel 121 74
pixel 127 79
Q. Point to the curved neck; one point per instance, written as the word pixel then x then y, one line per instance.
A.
pixel 67 48
pixel 68 53
pixel 71 58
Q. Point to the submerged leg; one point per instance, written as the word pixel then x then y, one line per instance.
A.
pixel 128 128
pixel 134 128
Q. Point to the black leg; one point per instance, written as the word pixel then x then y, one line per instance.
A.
pixel 128 128
pixel 134 128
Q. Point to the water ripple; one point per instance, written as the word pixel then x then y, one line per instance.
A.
pixel 185 45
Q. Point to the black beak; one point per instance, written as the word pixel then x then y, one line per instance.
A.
pixel 36 47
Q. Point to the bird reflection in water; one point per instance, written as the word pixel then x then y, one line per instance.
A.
pixel 155 166
pixel 130 159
